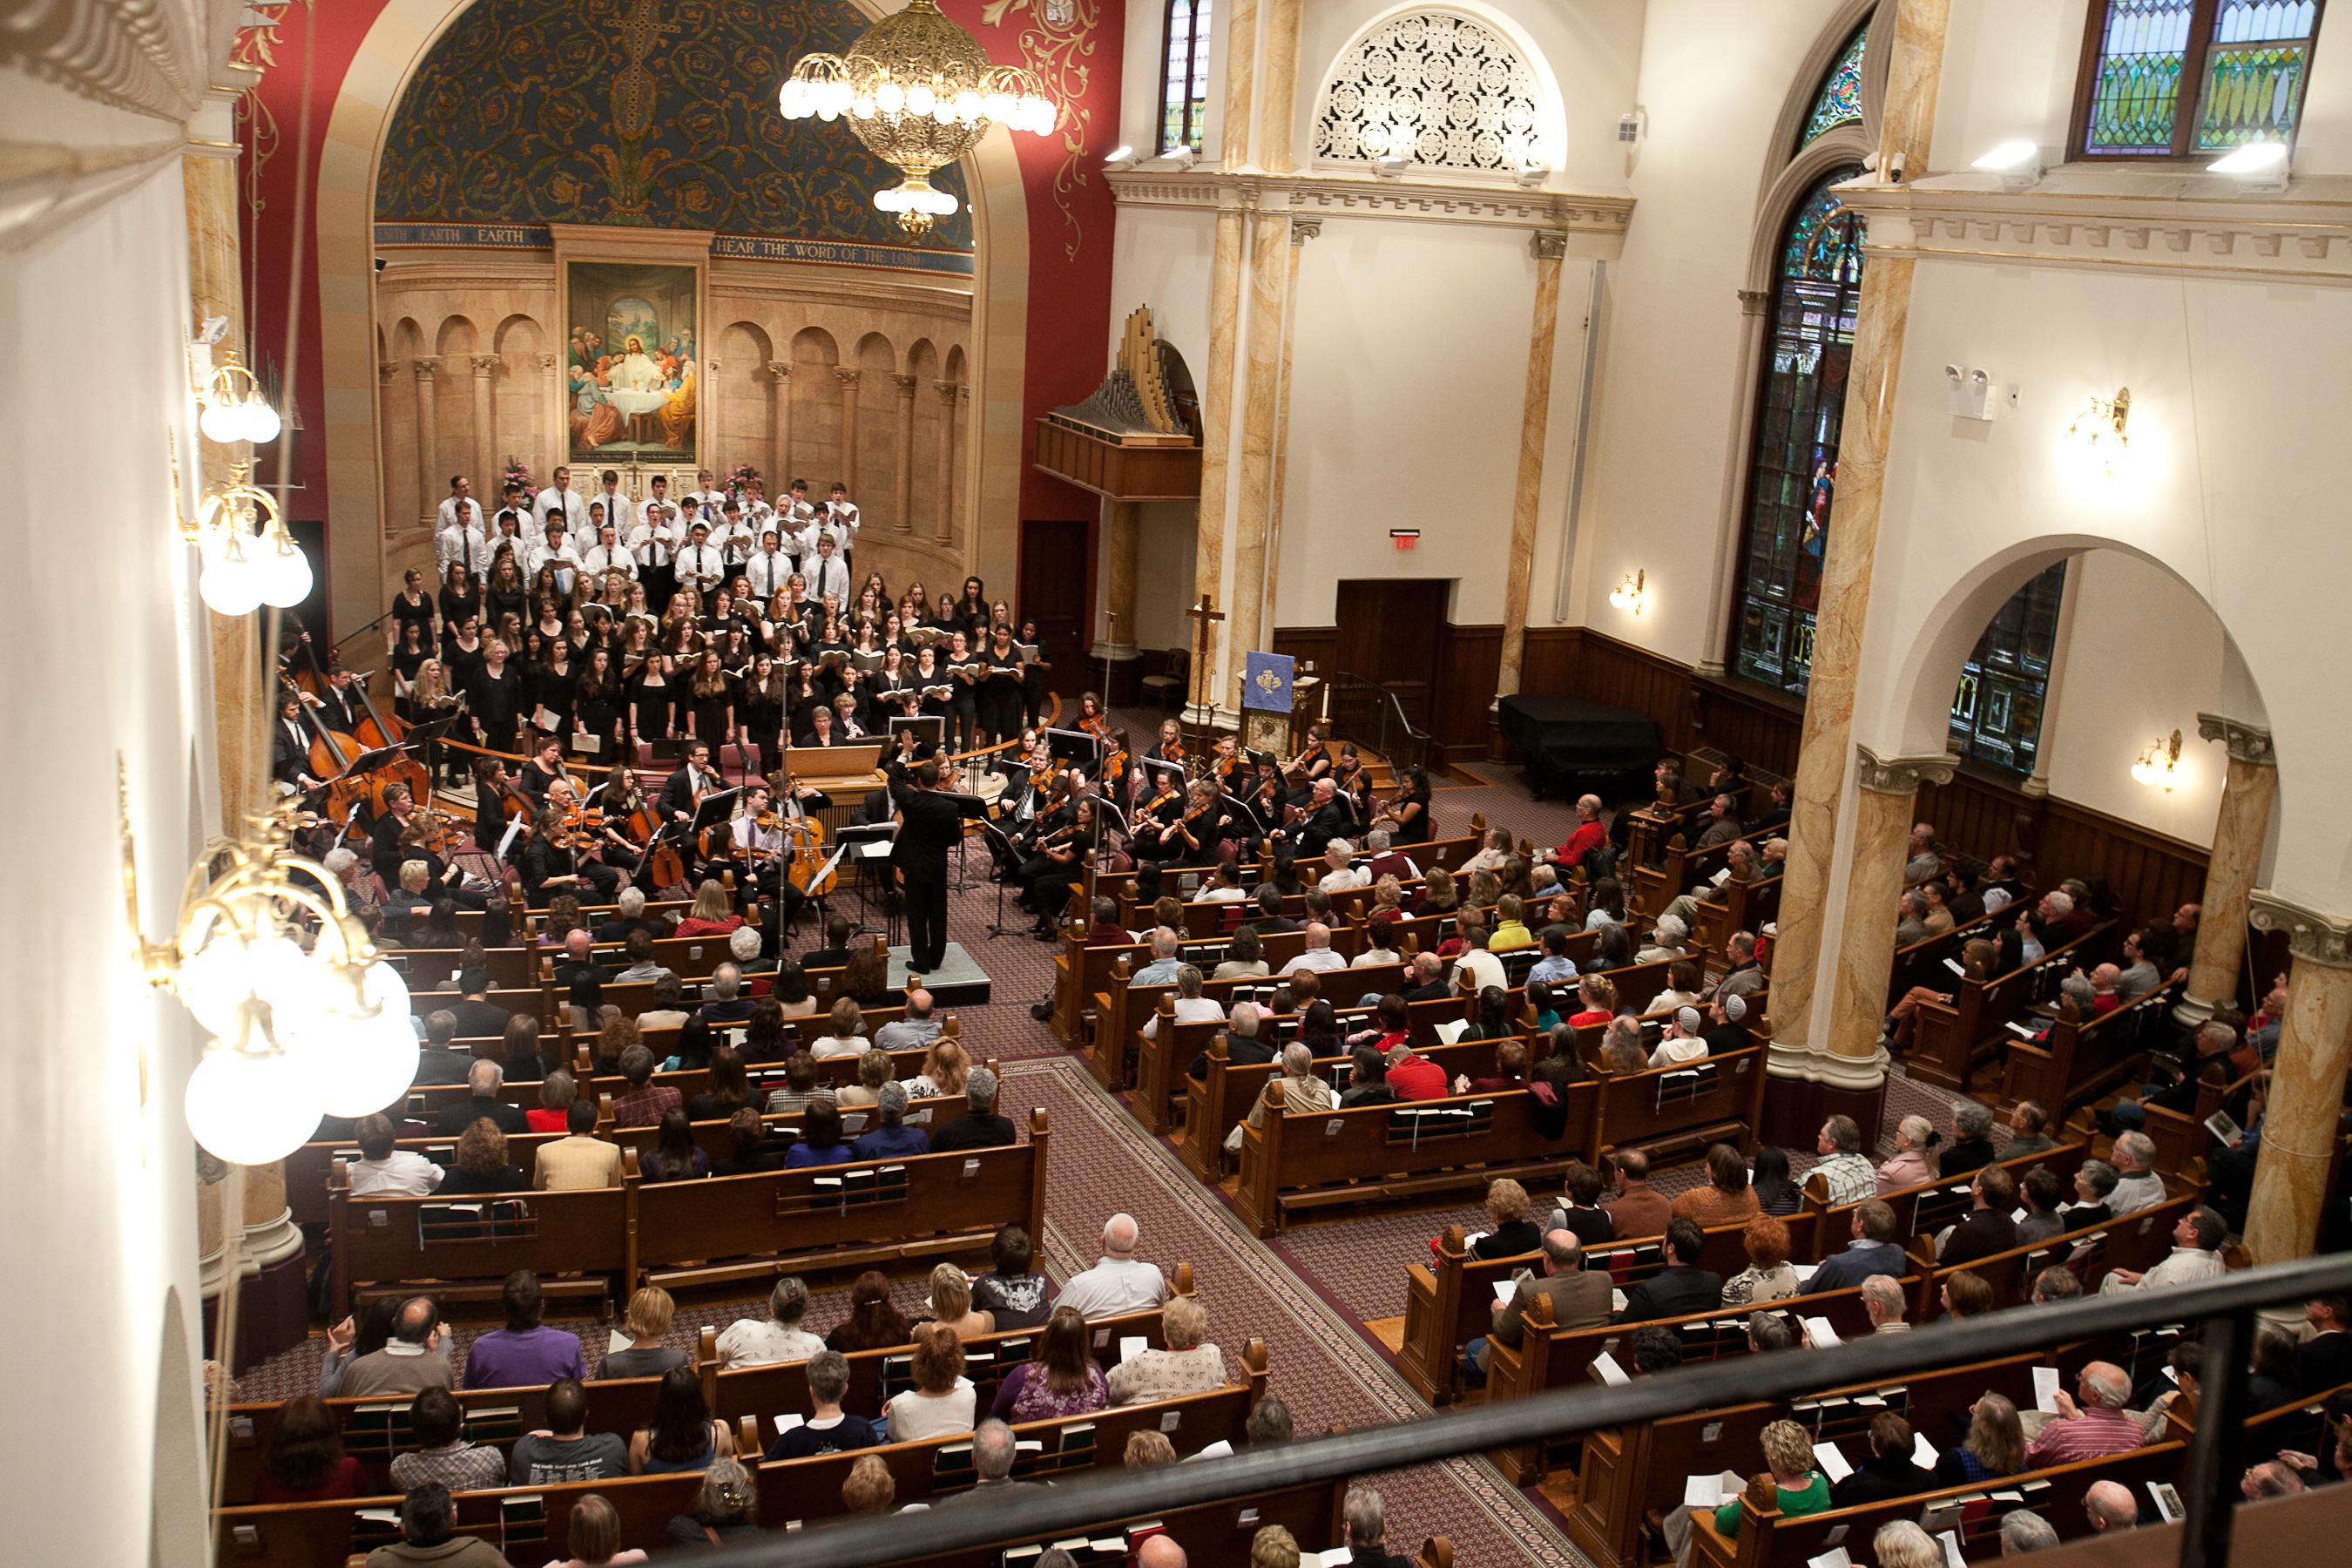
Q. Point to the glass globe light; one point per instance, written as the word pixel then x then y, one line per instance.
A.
pixel 262 423
pixel 229 585
pixel 365 1063
pixel 282 572
pixel 251 1109
pixel 222 422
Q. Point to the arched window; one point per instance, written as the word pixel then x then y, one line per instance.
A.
pixel 1799 413
pixel 1839 102
pixel 1184 76
pixel 1444 89
pixel 1997 711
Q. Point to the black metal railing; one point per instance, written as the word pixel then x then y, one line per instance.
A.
pixel 1373 717
pixel 2226 1306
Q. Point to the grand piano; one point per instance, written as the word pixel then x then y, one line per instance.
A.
pixel 1563 740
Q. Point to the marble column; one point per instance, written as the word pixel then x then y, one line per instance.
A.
pixel 1277 103
pixel 1269 232
pixel 849 407
pixel 215 289
pixel 1885 806
pixel 1216 445
pixel 428 439
pixel 1826 742
pixel 1535 432
pixel 2248 791
pixel 1302 230
pixel 212 1226
pixel 943 522
pixel 780 413
pixel 2306 1099
pixel 902 492
pixel 1121 525
pixel 1241 78
pixel 486 433
pixel 270 1234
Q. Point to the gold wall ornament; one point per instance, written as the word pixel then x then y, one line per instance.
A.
pixel 919 91
pixel 305 1020
pixel 1058 48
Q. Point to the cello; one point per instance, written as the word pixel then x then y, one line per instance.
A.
pixel 806 869
pixel 332 755
pixel 376 731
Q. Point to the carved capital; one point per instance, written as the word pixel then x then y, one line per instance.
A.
pixel 485 365
pixel 963 392
pixel 425 365
pixel 2247 743
pixel 548 362
pixel 2311 936
pixel 710 367
pixel 1303 229
pixel 848 378
pixel 946 389
pixel 1900 775
pixel 385 370
pixel 906 385
pixel 782 370
pixel 1549 245
pixel 1754 302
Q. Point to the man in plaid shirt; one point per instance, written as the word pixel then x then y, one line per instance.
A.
pixel 1842 1168
pixel 2095 1427
pixel 646 1100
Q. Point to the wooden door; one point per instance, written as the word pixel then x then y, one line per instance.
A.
pixel 1058 578
pixel 1390 633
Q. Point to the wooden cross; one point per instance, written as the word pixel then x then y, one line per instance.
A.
pixel 1207 614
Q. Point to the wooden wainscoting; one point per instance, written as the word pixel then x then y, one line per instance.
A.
pixel 1461 680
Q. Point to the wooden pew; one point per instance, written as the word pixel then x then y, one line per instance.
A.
pixel 530 1524
pixel 2078 1062
pixel 1774 1540
pixel 1928 961
pixel 1952 1038
pixel 1548 1357
pixel 425 1101
pixel 1741 904
pixel 930 1204
pixel 1670 1110
pixel 2137 1241
pixel 1385 1152
pixel 1159 1061
pixel 1819 1230
pixel 1116 1014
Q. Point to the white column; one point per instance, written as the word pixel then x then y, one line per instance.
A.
pixel 902 520
pixel 428 438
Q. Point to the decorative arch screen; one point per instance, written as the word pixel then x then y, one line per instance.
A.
pixel 1184 77
pixel 1453 94
pixel 1840 101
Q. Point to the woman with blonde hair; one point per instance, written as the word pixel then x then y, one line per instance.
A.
pixel 951 1305
pixel 946 1070
pixel 1903 1544
pixel 594 1536
pixel 846 1033
pixel 647 1323
pixel 1994 1448
pixel 709 916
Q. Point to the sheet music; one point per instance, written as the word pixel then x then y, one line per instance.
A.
pixel 506 839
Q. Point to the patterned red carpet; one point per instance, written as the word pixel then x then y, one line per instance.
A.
pixel 1307 1295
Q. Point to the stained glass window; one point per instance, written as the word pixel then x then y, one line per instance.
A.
pixel 1840 101
pixel 2243 62
pixel 1997 710
pixel 1185 83
pixel 1792 480
pixel 1793 469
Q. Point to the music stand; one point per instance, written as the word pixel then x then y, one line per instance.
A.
pixel 427 738
pixel 1075 745
pixel 930 732
pixel 856 836
pixel 715 809
pixel 1008 861
pixel 1152 766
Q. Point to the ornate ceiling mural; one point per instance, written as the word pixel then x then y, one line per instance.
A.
pixel 649 114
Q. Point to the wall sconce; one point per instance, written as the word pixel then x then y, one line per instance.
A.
pixel 1631 593
pixel 249 558
pixel 298 1033
pixel 2099 429
pixel 234 408
pixel 2159 767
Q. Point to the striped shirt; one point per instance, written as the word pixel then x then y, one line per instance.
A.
pixel 2092 1435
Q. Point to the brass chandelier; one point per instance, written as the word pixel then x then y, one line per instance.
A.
pixel 920 91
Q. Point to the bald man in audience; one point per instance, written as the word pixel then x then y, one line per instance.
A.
pixel 1243 1046
pixel 412 1361
pixel 2090 1423
pixel 1160 1552
pixel 2110 1506
pixel 1578 1299
pixel 1635 1210
pixel 915 1031
pixel 1120 1281
pixel 1317 954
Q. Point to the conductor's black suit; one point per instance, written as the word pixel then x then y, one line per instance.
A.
pixel 929 823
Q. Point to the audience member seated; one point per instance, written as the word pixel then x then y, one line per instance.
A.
pixel 829 1429
pixel 386 1170
pixel 1367 1516
pixel 2137 1186
pixel 1873 1250
pixel 1887 1473
pixel 800 1085
pixel 940 1403
pixel 844 1033
pixel 594 1532
pixel 1188 1365
pixel 2090 1423
pixel 2197 1238
pixel 643 1103
pixel 647 1323
pixel 1882 1304
pixel 1635 1210
pixel 2324 1359
pixel 564 1449
pixel 437 1062
pixel 2110 1506
pixel 1579 1297
pixel 752 1341
pixel 525 1353
pixel 1994 1449
pixel 2028 1126
pixel 1790 1486
pixel 1908 1166
pixel 1012 1291
pixel 682 1434
pixel 1724 1198
pixel 893 1139
pixel 874 1323
pixel 1847 1175
pixel 427 1525
pixel 1768 1276
pixel 726 1508
pixel 1680 1286
pixel 979 1127
pixel 1621 1047
pixel 2039 1194
pixel 869 1490
pixel 1243 1046
pixel 675 1156
pixel 820 1142
pixel 1580 1212
pixel 1988 1227
pixel 442 1454
pixel 414 1359
pixel 305 1461
pixel 1119 1282
pixel 874 1071
pixel 1972 1146
pixel 1245 958
pixel 482 1102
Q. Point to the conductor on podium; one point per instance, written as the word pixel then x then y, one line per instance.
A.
pixel 929 823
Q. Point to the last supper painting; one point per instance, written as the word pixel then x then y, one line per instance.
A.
pixel 632 361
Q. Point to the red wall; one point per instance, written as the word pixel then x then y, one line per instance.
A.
pixel 1069 298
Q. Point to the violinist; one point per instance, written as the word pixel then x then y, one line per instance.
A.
pixel 1310 765
pixel 561 859
pixel 1060 861
pixel 1155 822
pixel 1406 814
pixel 1354 786
pixel 496 799
pixel 1170 747
pixel 397 836
pixel 762 846
pixel 1192 841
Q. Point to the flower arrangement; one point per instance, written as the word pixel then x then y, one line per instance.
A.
pixel 517 472
pixel 743 479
